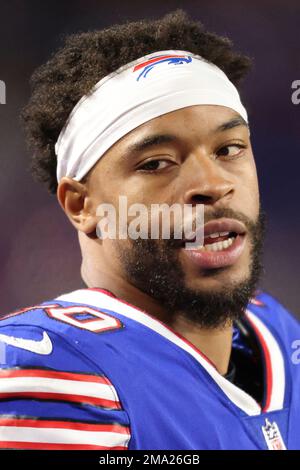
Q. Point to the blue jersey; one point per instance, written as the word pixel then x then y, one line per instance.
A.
pixel 89 371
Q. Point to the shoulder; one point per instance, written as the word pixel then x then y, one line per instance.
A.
pixel 65 323
pixel 56 335
pixel 51 389
pixel 65 315
pixel 85 331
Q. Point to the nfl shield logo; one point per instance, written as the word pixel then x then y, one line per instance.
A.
pixel 272 436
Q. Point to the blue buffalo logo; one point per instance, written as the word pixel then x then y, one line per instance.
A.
pixel 151 63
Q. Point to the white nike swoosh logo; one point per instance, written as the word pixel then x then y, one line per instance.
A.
pixel 44 346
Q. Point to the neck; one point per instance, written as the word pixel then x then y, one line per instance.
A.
pixel 215 344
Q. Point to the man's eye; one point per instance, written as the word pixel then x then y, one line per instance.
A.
pixel 232 150
pixel 154 165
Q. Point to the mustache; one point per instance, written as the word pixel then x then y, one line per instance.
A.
pixel 255 228
pixel 222 212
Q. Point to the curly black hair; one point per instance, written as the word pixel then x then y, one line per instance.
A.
pixel 87 57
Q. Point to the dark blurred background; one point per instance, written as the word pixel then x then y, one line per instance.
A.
pixel 39 253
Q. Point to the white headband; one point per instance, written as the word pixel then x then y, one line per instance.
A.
pixel 149 87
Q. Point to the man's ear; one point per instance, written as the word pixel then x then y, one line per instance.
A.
pixel 74 200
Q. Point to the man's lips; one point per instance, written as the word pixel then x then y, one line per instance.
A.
pixel 221 257
pixel 217 259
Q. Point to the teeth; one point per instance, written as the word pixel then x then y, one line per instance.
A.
pixel 218 234
pixel 214 235
pixel 218 246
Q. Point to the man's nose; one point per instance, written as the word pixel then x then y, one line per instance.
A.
pixel 207 182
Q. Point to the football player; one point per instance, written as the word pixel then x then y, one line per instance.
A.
pixel 164 346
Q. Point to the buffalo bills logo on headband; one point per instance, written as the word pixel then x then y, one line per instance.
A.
pixel 150 64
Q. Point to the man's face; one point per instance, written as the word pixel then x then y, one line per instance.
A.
pixel 190 156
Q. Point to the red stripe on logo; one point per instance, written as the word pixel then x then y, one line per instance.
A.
pixel 156 59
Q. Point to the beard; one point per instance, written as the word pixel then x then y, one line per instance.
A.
pixel 153 267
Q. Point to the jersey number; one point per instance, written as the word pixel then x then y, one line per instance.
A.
pixel 86 318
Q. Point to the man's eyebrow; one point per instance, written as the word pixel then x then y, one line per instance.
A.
pixel 159 139
pixel 237 121
pixel 151 141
